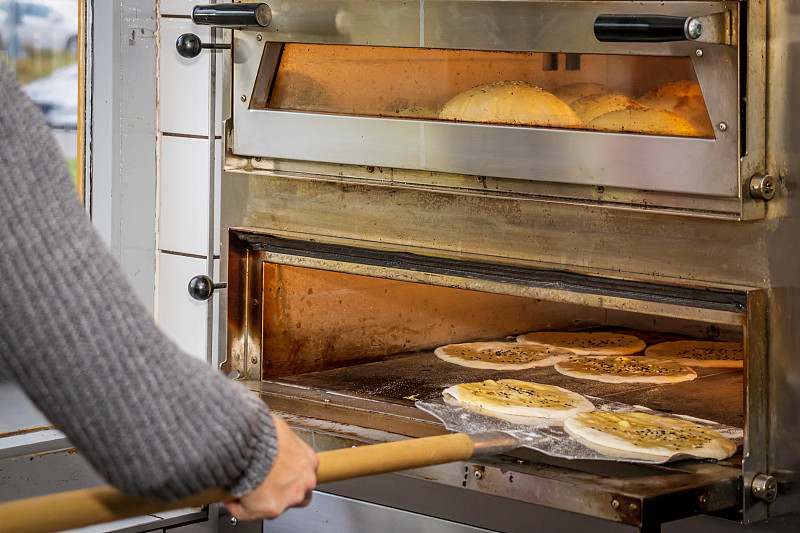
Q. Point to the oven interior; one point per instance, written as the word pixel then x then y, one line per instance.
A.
pixel 342 345
pixel 417 84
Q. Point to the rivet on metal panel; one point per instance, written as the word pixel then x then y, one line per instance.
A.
pixel 520 461
pixel 478 474
pixel 234 521
pixel 633 507
pixel 698 53
pixel 615 504
pixel 243 98
pixel 254 360
pixel 722 126
pixel 259 37
pixel 254 302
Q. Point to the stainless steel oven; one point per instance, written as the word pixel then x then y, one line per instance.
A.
pixel 364 224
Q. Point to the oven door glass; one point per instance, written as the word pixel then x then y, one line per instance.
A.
pixel 634 94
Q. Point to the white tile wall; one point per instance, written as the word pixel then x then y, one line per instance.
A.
pixel 182 318
pixel 185 195
pixel 184 179
pixel 179 7
pixel 184 83
pixel 217 196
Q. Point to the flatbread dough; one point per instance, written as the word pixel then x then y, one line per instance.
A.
pixel 521 402
pixel 501 355
pixel 646 436
pixel 700 353
pixel 586 343
pixel 624 369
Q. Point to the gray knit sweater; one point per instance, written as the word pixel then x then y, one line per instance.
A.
pixel 152 420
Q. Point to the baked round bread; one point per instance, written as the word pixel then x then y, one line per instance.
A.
pixel 575 91
pixel 586 342
pixel 700 353
pixel 521 402
pixel 510 102
pixel 501 355
pixel 650 121
pixel 646 436
pixel 590 107
pixel 685 99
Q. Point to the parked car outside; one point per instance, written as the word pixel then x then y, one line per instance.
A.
pixel 49 25
pixel 57 96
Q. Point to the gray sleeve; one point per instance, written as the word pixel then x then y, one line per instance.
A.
pixel 152 420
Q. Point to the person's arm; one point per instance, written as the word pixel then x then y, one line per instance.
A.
pixel 153 421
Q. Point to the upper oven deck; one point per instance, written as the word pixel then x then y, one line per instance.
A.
pixel 367 84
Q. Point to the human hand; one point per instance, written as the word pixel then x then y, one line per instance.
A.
pixel 289 483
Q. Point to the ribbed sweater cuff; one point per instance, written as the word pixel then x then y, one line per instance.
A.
pixel 264 452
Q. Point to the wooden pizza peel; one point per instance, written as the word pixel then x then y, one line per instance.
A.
pixel 80 508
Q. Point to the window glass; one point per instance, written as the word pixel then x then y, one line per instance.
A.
pixel 39 40
pixel 609 93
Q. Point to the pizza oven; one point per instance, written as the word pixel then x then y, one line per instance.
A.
pixel 364 225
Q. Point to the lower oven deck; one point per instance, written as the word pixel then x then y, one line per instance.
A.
pixel 716 394
pixel 374 402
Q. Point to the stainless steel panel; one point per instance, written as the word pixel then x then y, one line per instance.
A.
pixel 548 26
pixel 551 26
pixel 335 514
pixel 588 239
pixel 782 386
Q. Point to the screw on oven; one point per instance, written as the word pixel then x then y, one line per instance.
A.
pixel 762 187
pixel 722 126
pixel 243 98
pixel 698 53
pixel 764 487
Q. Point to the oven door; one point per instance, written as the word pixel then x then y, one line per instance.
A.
pixel 361 83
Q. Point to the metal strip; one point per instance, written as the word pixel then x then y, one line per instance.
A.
pixel 567 286
pixel 757 425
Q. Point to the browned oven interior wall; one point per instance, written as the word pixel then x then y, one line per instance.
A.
pixel 316 319
pixel 367 80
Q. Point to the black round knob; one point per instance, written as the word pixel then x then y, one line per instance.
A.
pixel 188 45
pixel 201 287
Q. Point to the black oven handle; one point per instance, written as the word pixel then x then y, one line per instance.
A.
pixel 646 28
pixel 234 15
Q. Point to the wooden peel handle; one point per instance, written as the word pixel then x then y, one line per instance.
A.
pixel 80 508
pixel 350 463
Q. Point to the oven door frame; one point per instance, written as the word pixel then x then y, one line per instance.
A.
pixel 685 166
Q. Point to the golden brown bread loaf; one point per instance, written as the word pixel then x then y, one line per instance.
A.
pixel 651 121
pixel 574 91
pixel 685 99
pixel 590 107
pixel 510 102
